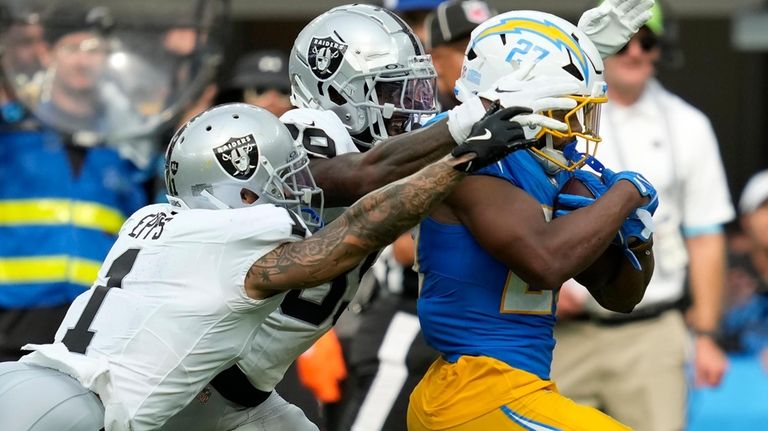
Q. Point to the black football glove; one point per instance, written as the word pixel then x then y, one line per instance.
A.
pixel 493 137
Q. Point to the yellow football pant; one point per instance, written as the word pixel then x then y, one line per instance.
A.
pixel 483 394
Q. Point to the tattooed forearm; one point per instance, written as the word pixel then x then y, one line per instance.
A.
pixel 371 223
pixel 297 260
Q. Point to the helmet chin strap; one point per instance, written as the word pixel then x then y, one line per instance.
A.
pixel 301 97
pixel 377 121
pixel 549 149
pixel 214 201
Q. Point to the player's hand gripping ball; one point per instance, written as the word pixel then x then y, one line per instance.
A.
pixel 579 191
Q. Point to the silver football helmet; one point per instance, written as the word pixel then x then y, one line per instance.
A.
pixel 365 64
pixel 237 146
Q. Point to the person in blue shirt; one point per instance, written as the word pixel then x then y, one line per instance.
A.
pixel 61 204
pixel 82 105
pixel 744 329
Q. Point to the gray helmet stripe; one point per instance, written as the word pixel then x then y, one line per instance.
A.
pixel 416 45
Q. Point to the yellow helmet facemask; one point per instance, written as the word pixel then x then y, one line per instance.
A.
pixel 585 114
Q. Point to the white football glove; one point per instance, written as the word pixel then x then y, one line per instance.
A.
pixel 611 25
pixel 538 95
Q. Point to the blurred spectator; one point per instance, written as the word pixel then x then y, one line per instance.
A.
pixel 447 34
pixel 204 101
pixel 632 366
pixel 29 52
pixel 88 89
pixel 744 330
pixel 73 96
pixel 73 170
pixel 61 204
pixel 745 321
pixel 413 12
pixel 260 78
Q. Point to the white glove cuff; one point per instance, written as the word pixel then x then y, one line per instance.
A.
pixel 462 117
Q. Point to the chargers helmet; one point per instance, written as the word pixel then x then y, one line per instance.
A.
pixel 365 64
pixel 507 42
pixel 238 146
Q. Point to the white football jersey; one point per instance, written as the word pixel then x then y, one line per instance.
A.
pixel 304 315
pixel 169 309
pixel 323 135
pixel 302 318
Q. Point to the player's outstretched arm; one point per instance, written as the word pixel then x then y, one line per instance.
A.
pixel 371 223
pixel 347 177
pixel 381 216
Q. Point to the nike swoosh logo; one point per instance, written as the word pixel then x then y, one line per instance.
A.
pixel 484 137
pixel 499 90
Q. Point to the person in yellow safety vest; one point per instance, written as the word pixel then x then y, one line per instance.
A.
pixel 61 207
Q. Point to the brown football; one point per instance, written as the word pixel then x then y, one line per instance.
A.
pixel 575 186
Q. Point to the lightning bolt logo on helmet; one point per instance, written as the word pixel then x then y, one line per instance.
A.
pixel 546 29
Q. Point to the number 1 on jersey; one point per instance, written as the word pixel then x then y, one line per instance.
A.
pixel 78 338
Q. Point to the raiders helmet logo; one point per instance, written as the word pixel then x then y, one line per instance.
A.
pixel 325 57
pixel 238 156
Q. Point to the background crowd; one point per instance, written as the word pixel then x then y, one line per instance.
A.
pixel 83 127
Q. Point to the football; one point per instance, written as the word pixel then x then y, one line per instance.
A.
pixel 574 186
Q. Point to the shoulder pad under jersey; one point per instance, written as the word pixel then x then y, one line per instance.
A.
pixel 321 133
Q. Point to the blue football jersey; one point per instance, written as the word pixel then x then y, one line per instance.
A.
pixel 472 304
